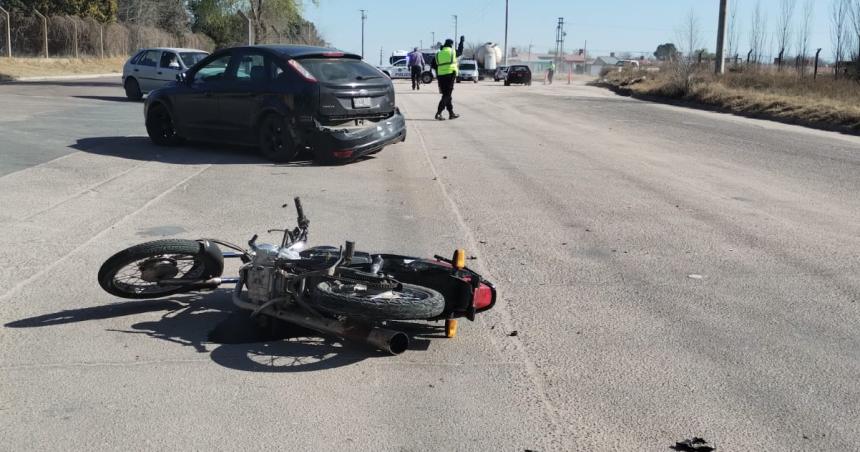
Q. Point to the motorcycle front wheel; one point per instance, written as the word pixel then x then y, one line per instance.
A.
pixel 408 302
pixel 135 272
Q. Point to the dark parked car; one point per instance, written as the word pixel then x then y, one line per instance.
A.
pixel 518 74
pixel 282 98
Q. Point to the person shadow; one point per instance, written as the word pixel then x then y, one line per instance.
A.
pixel 210 323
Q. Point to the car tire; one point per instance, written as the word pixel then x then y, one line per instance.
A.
pixel 458 80
pixel 132 89
pixel 160 126
pixel 276 139
pixel 426 78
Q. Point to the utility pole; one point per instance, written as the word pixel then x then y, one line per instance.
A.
pixel 721 39
pixel 432 38
pixel 559 40
pixel 363 18
pixel 380 55
pixel 505 55
pixel 456 37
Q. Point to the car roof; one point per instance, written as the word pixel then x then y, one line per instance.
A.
pixel 298 51
pixel 174 49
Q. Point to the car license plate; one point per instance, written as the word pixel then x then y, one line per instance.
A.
pixel 361 102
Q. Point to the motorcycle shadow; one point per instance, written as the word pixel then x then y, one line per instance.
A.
pixel 209 323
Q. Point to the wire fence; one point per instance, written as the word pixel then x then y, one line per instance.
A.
pixel 72 36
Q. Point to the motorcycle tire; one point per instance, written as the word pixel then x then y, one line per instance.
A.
pixel 411 302
pixel 159 258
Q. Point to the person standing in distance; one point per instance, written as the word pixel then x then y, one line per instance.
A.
pixel 415 61
pixel 446 73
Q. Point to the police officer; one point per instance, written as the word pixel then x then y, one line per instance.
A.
pixel 446 73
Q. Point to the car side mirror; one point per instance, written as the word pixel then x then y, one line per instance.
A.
pixel 180 77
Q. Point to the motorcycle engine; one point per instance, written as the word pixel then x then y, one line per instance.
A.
pixel 262 279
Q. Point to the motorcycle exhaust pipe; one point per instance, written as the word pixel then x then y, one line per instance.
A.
pixel 389 341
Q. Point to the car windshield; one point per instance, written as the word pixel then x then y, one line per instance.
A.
pixel 468 66
pixel 340 69
pixel 192 58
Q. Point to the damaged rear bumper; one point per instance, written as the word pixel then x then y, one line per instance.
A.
pixel 333 143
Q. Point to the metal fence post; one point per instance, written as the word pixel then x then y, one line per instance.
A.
pixel 815 73
pixel 75 37
pixel 8 33
pixel 102 41
pixel 250 27
pixel 44 29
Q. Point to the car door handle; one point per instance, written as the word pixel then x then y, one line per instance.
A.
pixel 159 72
pixel 135 69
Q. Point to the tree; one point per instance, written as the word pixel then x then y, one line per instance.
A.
pixel 733 34
pixel 839 10
pixel 666 52
pixel 855 20
pixel 758 31
pixel 786 17
pixel 803 34
pixel 101 10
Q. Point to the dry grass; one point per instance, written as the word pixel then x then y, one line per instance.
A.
pixel 11 69
pixel 824 103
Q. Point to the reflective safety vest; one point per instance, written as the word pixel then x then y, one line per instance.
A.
pixel 446 61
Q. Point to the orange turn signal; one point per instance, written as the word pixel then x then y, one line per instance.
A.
pixel 459 259
pixel 450 328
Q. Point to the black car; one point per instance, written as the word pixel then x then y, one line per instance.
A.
pixel 518 74
pixel 282 98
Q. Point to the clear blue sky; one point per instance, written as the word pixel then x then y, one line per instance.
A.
pixel 607 25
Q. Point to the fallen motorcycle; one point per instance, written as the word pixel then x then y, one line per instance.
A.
pixel 333 290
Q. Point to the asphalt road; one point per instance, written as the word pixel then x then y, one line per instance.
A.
pixel 670 274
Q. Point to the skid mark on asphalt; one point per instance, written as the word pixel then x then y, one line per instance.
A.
pixel 507 321
pixel 17 287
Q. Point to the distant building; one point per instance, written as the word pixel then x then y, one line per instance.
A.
pixel 600 62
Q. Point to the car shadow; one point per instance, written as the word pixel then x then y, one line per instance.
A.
pixel 141 148
pixel 190 153
pixel 78 83
pixel 209 323
pixel 110 99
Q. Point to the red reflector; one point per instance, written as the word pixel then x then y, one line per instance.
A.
pixel 483 296
pixel 343 154
pixel 333 54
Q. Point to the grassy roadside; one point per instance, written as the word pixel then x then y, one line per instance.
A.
pixel 14 68
pixel 823 104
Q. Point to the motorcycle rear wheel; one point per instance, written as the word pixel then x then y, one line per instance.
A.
pixel 409 302
pixel 134 272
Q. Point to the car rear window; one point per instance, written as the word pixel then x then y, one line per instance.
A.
pixel 339 69
pixel 192 58
pixel 468 67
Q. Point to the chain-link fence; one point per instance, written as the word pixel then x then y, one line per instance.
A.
pixel 72 36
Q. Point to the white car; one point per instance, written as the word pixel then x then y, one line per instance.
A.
pixel 150 69
pixel 467 70
pixel 400 70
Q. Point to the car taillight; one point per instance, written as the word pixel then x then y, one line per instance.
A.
pixel 482 297
pixel 342 154
pixel 302 71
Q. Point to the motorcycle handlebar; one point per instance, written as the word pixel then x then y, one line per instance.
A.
pixel 303 220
